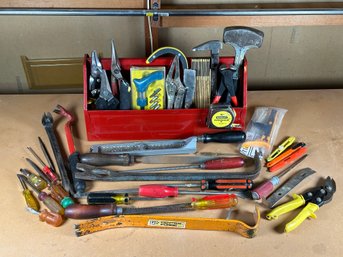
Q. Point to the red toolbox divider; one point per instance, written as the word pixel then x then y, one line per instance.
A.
pixel 152 124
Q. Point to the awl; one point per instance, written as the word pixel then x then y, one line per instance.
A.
pixel 162 147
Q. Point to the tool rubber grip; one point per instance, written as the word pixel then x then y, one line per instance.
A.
pixel 99 159
pixel 225 137
pixel 158 191
pixel 286 207
pixel 223 163
pixel 307 212
pixel 84 211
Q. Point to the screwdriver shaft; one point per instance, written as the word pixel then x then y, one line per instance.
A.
pixel 46 154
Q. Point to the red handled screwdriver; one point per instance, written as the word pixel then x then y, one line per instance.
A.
pixel 159 191
pixel 267 187
pixel 47 170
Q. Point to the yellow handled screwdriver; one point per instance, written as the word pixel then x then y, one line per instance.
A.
pixel 30 200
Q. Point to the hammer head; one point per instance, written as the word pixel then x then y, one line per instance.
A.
pixel 243 37
pixel 214 46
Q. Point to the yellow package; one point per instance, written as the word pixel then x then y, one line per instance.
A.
pixel 147 85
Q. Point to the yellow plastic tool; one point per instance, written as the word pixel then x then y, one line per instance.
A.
pixel 307 212
pixel 281 148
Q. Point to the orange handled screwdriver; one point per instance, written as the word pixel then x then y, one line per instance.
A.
pixel 50 218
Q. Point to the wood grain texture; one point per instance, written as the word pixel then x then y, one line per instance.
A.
pixel 254 21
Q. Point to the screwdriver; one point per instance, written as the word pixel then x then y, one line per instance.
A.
pixel 158 191
pixel 47 171
pixel 106 198
pixel 49 202
pixel 83 211
pixel 267 187
pixel 30 200
pixel 217 164
pixel 35 180
pixel 46 154
pixel 50 218
pixel 57 191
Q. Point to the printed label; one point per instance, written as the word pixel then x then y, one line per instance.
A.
pixel 167 223
pixel 222 119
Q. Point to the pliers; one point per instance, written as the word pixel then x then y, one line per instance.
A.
pixel 106 100
pixel 312 199
pixel 174 87
pixel 118 82
pixel 94 78
pixel 227 83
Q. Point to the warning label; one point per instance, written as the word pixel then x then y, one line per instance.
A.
pixel 167 223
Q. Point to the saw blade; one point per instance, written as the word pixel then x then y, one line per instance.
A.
pixel 277 195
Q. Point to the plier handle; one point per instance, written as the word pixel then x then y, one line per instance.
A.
pixel 94 78
pixel 118 82
pixel 106 100
pixel 312 199
pixel 174 88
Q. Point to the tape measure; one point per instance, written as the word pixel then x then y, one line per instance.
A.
pixel 220 116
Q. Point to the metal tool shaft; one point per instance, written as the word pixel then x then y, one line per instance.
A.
pixel 88 172
pixel 47 122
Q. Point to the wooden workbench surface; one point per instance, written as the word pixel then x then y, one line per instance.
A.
pixel 314 117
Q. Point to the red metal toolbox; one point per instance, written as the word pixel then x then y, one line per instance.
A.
pixel 151 124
